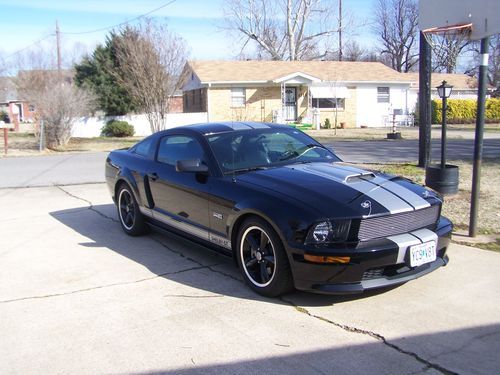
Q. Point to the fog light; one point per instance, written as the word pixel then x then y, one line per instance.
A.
pixel 326 259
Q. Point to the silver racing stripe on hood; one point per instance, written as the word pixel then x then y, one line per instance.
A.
pixel 392 202
pixel 409 196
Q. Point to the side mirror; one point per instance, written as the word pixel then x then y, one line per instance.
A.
pixel 194 166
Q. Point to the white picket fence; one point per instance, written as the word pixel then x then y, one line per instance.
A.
pixel 89 127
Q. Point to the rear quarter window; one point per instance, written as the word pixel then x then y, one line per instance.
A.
pixel 143 148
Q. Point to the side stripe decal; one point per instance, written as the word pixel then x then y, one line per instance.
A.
pixel 188 228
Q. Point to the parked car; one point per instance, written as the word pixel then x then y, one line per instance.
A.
pixel 289 211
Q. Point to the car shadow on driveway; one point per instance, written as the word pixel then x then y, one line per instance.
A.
pixel 459 351
pixel 173 257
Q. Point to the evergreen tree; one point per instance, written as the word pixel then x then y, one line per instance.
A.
pixel 99 73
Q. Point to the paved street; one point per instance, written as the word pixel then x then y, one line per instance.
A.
pixel 63 169
pixel 79 296
pixel 79 168
pixel 407 150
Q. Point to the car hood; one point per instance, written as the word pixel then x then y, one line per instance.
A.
pixel 336 189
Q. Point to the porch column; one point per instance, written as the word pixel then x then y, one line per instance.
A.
pixel 283 101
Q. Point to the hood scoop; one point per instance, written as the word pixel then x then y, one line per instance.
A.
pixel 359 176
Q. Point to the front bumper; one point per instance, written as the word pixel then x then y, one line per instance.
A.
pixel 374 264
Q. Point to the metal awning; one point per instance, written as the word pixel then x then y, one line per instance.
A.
pixel 329 92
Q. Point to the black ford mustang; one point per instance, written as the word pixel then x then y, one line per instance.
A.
pixel 288 210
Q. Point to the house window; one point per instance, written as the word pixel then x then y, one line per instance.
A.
pixel 195 100
pixel 383 95
pixel 328 103
pixel 238 98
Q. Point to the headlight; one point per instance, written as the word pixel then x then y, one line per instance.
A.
pixel 328 231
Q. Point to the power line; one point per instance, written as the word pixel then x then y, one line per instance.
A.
pixel 119 24
pixel 89 31
pixel 29 46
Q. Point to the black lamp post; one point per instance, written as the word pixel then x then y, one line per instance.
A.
pixel 444 92
pixel 443 177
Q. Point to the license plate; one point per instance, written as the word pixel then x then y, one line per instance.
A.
pixel 423 253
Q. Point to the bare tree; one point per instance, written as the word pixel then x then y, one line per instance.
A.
pixel 446 52
pixel 57 102
pixel 151 60
pixel 396 24
pixel 354 52
pixel 285 29
pixel 493 61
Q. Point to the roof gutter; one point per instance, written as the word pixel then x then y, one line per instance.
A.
pixel 229 82
pixel 209 83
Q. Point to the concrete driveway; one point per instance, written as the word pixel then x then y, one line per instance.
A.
pixel 79 296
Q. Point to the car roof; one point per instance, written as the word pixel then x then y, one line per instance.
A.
pixel 225 127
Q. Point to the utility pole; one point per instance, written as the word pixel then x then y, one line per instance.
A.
pixel 340 30
pixel 58 43
pixel 424 103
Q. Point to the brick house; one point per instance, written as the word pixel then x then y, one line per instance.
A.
pixel 175 104
pixel 12 104
pixel 358 93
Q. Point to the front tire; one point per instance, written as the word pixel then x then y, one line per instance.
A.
pixel 129 214
pixel 262 259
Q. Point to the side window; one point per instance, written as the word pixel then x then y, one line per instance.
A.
pixel 179 147
pixel 383 95
pixel 143 148
pixel 238 97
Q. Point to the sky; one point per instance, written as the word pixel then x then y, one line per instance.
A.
pixel 199 22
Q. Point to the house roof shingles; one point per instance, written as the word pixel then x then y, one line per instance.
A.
pixel 458 81
pixel 266 71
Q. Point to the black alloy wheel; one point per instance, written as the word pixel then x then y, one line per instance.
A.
pixel 262 258
pixel 131 219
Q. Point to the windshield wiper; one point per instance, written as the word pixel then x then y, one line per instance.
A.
pixel 294 154
pixel 249 169
pixel 312 145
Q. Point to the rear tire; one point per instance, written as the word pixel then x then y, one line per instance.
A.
pixel 262 258
pixel 130 216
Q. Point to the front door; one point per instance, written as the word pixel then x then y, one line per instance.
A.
pixel 180 198
pixel 291 104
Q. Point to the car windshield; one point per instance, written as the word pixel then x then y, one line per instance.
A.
pixel 244 150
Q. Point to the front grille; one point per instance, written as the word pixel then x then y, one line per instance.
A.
pixel 391 225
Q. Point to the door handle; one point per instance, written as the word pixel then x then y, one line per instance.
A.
pixel 153 176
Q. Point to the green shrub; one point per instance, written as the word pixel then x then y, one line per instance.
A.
pixel 463 111
pixel 492 109
pixel 327 124
pixel 115 128
pixel 4 116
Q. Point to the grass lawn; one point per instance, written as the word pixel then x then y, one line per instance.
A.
pixel 25 144
pixel 100 143
pixel 369 134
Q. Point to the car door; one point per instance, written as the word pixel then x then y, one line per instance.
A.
pixel 180 198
